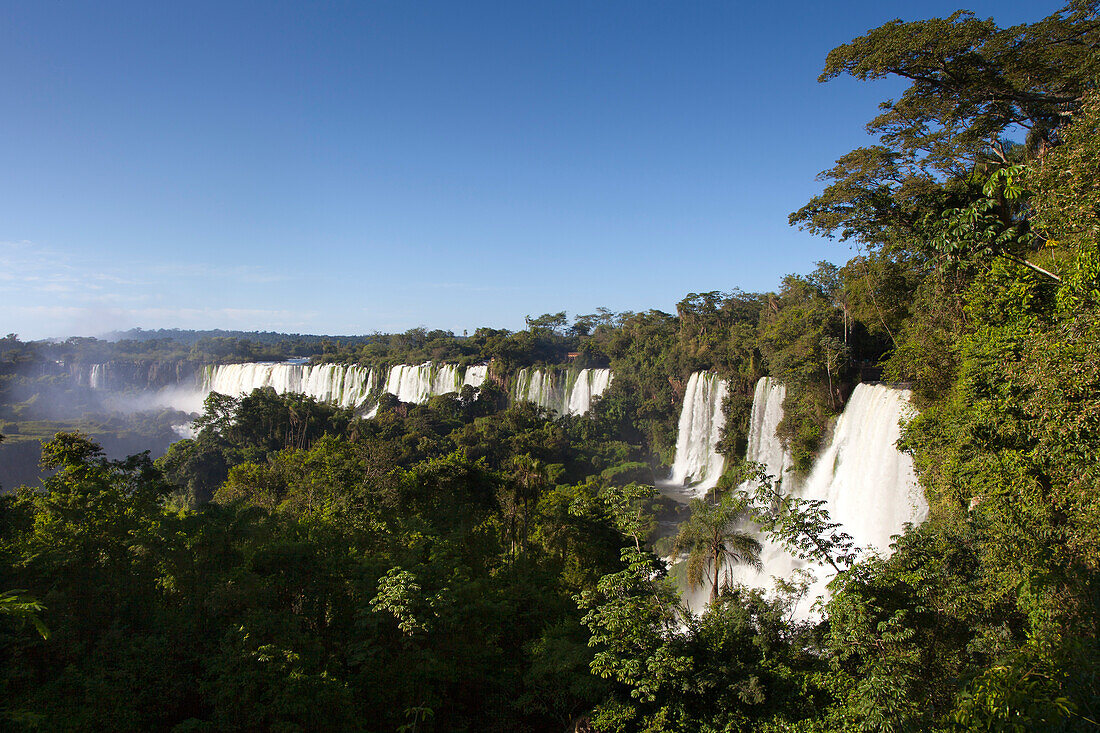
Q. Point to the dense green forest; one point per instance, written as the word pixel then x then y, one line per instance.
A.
pixel 471 564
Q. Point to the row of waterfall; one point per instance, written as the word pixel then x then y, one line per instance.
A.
pixel 343 385
pixel 565 393
pixel 868 485
pixel 698 465
pixel 346 386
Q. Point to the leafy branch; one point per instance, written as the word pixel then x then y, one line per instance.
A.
pixel 986 227
pixel 803 526
pixel 25 609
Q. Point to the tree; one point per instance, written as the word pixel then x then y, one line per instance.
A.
pixel 970 82
pixel 632 614
pixel 1066 206
pixel 548 323
pixel 714 539
pixel 530 477
pixel 798 337
pixel 972 79
pixel 990 225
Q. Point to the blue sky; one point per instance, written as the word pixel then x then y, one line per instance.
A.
pixel 350 167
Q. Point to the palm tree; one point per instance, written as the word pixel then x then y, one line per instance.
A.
pixel 529 476
pixel 713 538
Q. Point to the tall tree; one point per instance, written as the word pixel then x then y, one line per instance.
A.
pixel 971 82
pixel 714 538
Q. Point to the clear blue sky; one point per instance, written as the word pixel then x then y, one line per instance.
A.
pixel 346 167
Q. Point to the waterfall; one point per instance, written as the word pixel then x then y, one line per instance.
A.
pixel 697 461
pixel 570 393
pixel 345 386
pixel 447 379
pixel 869 486
pixel 475 376
pixel 763 447
pixel 537 386
pixel 589 383
pixel 767 450
pixel 95 377
pixel 410 383
pixel 134 376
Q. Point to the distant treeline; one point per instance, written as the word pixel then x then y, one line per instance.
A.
pixel 192 337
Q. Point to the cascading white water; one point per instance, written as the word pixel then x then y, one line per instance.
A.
pixel 447 379
pixel 763 446
pixel 869 486
pixel 697 461
pixel 410 383
pixel 417 383
pixel 537 386
pixel 346 386
pixel 475 376
pixel 766 449
pixel 589 383
pixel 351 386
pixel 570 393
pixel 95 377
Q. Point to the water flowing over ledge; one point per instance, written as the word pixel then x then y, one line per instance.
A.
pixel 869 486
pixel 763 445
pixel 568 393
pixel 698 465
pixel 419 383
pixel 345 386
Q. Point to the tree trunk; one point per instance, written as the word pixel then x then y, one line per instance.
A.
pixel 717 559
